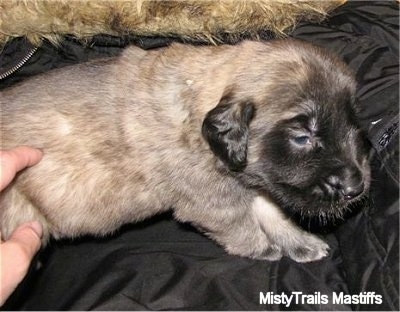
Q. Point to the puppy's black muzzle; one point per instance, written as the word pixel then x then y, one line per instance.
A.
pixel 345 183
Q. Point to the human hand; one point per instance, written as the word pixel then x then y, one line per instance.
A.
pixel 14 160
pixel 18 251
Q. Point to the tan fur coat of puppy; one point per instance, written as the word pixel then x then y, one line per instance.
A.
pixel 223 136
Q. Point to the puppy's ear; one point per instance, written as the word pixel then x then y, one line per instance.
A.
pixel 226 129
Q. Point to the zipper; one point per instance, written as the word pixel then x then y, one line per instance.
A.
pixel 386 137
pixel 13 69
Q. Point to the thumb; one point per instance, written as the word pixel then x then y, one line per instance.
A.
pixel 28 236
pixel 16 255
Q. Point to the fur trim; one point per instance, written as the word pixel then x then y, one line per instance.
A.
pixel 190 19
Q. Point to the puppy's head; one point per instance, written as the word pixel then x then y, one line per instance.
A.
pixel 294 135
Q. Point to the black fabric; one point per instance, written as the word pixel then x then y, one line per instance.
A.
pixel 162 265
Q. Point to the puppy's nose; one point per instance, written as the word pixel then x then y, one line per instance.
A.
pixel 352 191
pixel 349 183
pixel 352 183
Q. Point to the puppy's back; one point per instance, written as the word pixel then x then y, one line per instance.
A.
pixel 71 114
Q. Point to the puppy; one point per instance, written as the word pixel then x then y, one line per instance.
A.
pixel 224 136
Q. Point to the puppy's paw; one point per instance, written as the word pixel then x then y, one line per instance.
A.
pixel 307 248
pixel 263 250
pixel 272 253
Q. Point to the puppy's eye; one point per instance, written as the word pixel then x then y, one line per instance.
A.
pixel 302 140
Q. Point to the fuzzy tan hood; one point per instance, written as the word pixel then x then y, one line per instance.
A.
pixel 191 19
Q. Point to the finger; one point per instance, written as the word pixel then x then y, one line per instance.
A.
pixel 28 236
pixel 12 161
pixel 16 256
pixel 22 156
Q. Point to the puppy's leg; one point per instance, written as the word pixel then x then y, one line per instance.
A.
pixel 295 243
pixel 258 231
pixel 263 232
pixel 16 209
pixel 245 237
pixel 235 228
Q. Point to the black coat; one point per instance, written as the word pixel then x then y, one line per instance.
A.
pixel 160 264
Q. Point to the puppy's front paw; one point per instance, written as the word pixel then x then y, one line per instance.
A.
pixel 261 249
pixel 307 248
pixel 270 253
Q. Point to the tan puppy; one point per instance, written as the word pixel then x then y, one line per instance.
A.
pixel 224 136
